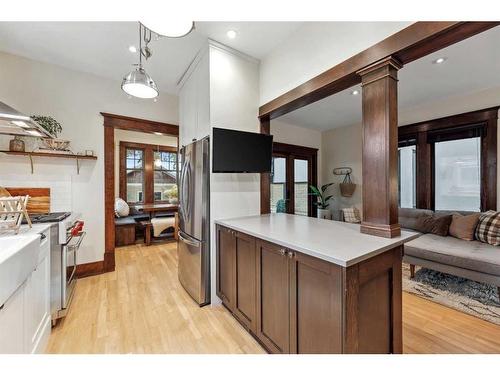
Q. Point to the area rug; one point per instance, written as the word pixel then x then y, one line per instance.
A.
pixel 465 295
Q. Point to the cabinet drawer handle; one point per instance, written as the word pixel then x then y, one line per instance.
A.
pixel 282 251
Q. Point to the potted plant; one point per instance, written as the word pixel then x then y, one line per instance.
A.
pixel 173 195
pixel 322 200
pixel 53 127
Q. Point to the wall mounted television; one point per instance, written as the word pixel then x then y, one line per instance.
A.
pixel 236 151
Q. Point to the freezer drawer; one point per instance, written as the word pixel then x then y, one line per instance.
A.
pixel 194 263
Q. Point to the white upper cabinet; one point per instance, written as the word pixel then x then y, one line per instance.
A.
pixel 194 102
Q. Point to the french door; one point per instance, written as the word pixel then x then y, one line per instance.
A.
pixel 294 169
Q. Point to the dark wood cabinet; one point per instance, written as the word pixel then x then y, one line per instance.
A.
pixel 315 305
pixel 295 303
pixel 226 250
pixel 273 297
pixel 245 307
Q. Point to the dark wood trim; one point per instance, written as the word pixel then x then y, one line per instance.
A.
pixel 487 119
pixel 89 269
pixel 409 44
pixel 112 122
pixel 140 125
pixel 380 151
pixel 109 199
pixel 285 148
pixel 265 178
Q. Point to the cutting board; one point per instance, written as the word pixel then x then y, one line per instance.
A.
pixel 39 202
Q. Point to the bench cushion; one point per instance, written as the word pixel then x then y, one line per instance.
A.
pixel 472 255
pixel 127 220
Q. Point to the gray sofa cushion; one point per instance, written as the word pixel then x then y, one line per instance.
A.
pixel 472 255
pixel 408 217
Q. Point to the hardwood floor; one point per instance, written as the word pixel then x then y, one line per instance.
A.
pixel 141 308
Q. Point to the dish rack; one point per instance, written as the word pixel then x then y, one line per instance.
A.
pixel 12 211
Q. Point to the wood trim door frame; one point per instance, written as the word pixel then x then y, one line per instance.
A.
pixel 112 122
pixel 291 153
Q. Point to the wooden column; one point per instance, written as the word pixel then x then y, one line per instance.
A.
pixel 380 140
pixel 265 178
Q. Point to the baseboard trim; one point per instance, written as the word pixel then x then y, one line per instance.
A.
pixel 89 269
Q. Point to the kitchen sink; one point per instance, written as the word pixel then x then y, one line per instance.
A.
pixel 18 258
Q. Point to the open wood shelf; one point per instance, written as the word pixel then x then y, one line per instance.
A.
pixel 50 155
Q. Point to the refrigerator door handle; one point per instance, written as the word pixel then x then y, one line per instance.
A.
pixel 188 241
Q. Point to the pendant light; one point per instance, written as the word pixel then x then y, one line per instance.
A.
pixel 138 83
pixel 158 159
pixel 171 28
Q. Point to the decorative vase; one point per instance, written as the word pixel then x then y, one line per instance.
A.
pixel 16 144
pixel 324 214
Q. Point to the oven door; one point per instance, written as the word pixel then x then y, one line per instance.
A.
pixel 69 252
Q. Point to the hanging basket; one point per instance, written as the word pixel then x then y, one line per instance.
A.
pixel 347 187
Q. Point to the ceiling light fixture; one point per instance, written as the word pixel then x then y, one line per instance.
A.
pixel 158 159
pixel 171 28
pixel 157 133
pixel 439 60
pixel 231 34
pixel 138 83
pixel 355 92
pixel 132 49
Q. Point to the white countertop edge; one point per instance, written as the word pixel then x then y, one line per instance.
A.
pixel 313 252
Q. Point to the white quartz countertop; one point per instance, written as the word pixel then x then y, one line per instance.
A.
pixel 25 230
pixel 334 241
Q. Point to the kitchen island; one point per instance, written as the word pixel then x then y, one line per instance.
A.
pixel 307 285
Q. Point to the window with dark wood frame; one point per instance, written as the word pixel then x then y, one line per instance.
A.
pixel 133 170
pixel 480 124
pixel 291 153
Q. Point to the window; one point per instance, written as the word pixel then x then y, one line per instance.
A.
pixel 458 174
pixel 407 176
pixel 301 187
pixel 450 163
pixel 148 173
pixel 278 187
pixel 135 175
pixel 165 176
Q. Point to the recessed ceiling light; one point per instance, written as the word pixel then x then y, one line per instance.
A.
pixel 439 60
pixel 132 49
pixel 355 92
pixel 158 133
pixel 231 34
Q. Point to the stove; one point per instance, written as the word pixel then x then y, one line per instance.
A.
pixel 51 217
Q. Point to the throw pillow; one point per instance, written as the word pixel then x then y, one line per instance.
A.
pixel 351 215
pixel 464 227
pixel 488 228
pixel 121 208
pixel 434 224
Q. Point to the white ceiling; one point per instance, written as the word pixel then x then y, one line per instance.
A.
pixel 471 65
pixel 101 48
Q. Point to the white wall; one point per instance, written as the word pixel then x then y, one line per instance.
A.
pixel 234 102
pixel 316 47
pixel 296 135
pixel 342 146
pixel 137 137
pixel 74 99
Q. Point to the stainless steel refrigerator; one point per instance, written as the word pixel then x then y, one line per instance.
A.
pixel 194 221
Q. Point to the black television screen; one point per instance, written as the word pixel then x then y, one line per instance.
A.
pixel 241 152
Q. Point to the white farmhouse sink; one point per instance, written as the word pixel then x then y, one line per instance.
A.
pixel 18 257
